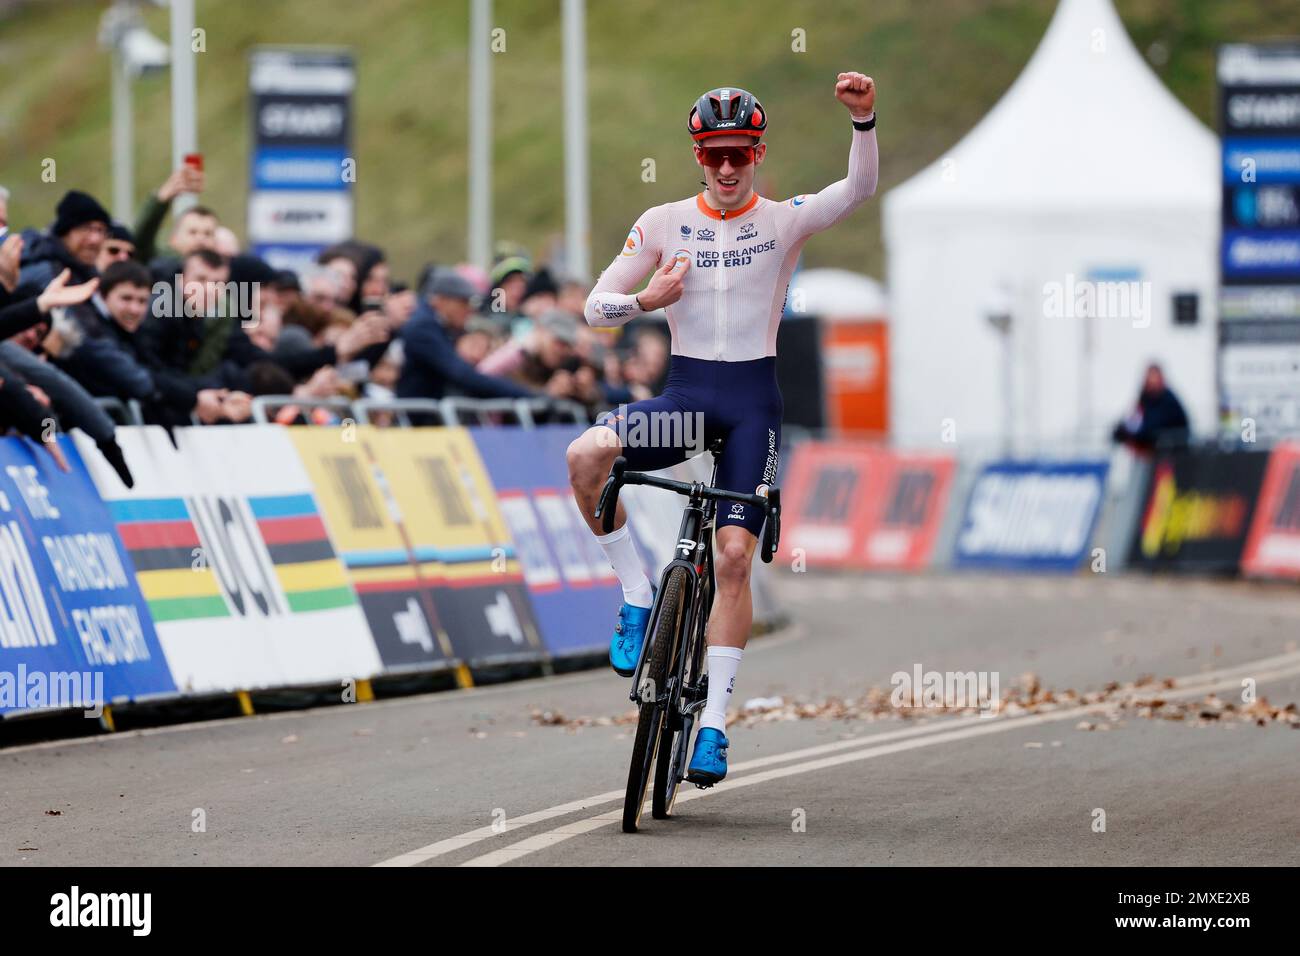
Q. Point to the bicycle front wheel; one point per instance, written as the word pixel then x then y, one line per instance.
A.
pixel 652 715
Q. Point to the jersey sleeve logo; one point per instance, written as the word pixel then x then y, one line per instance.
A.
pixel 798 201
pixel 635 242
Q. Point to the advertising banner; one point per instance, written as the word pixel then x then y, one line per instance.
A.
pixel 300 174
pixel 1198 511
pixel 462 545
pixel 1031 515
pixel 234 560
pixel 574 590
pixel 75 631
pixel 372 544
pixel 850 504
pixel 1273 545
pixel 1259 97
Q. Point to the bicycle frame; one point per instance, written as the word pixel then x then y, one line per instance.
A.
pixel 694 554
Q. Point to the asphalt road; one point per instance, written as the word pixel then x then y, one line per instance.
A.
pixel 472 777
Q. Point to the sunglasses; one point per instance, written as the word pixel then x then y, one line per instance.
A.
pixel 115 250
pixel 715 156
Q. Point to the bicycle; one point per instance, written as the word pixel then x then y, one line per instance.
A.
pixel 669 684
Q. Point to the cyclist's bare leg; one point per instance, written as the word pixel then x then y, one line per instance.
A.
pixel 590 456
pixel 733 608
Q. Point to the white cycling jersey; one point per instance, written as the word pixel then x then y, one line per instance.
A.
pixel 741 262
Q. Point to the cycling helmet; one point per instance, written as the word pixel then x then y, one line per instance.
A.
pixel 726 111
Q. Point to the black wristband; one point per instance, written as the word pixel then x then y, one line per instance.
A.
pixel 865 124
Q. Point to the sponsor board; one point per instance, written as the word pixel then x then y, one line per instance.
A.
pixel 1273 545
pixel 301 168
pixel 365 525
pixel 70 603
pixel 299 217
pixel 1197 512
pixel 1031 515
pixel 574 590
pixel 1259 96
pixel 459 538
pixel 234 560
pixel 856 505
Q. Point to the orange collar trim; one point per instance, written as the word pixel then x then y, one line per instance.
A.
pixel 731 213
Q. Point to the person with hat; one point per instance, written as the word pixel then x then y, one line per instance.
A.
pixel 510 278
pixel 73 242
pixel 431 367
pixel 719 263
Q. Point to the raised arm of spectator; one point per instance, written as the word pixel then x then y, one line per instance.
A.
pixel 186 179
pixel 428 345
pixel 23 315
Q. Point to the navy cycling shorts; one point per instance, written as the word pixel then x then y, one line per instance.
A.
pixel 703 400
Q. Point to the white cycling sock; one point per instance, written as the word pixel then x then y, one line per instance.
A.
pixel 724 662
pixel 620 548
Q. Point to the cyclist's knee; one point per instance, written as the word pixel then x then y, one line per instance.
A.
pixel 591 454
pixel 732 559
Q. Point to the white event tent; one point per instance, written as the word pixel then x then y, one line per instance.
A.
pixel 1087 174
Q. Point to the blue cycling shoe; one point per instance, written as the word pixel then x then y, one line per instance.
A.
pixel 629 632
pixel 709 762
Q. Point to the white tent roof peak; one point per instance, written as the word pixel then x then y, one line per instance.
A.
pixel 1086 123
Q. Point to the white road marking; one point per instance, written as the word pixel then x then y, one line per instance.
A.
pixel 543 841
pixel 861 748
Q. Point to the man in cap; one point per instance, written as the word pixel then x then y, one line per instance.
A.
pixel 432 368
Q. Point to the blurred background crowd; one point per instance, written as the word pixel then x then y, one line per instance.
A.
pixel 171 312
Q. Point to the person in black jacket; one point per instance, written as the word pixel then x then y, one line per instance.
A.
pixel 72 243
pixel 199 333
pixel 1158 418
pixel 104 353
pixel 19 408
pixel 431 367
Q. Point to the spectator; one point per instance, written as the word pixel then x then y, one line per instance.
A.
pixel 107 357
pixel 543 358
pixel 4 212
pixel 186 179
pixel 73 243
pixel 1157 419
pixel 509 283
pixel 283 290
pixel 540 295
pixel 119 246
pixel 323 288
pixel 225 242
pixel 202 338
pixel 343 265
pixel 431 367
pixel 64 401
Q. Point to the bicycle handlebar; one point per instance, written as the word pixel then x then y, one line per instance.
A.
pixel 619 476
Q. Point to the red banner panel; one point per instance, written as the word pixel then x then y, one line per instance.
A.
pixel 1273 547
pixel 863 506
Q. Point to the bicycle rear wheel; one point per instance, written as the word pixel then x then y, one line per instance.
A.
pixel 652 716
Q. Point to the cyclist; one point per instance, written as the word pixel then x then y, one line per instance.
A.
pixel 722 261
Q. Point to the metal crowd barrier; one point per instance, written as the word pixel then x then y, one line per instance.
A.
pixel 410 412
pixel 265 406
pixel 122 413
